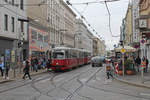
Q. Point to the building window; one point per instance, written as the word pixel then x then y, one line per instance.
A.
pixel 6 22
pixel 13 24
pixel 34 34
pixel 21 4
pixel 13 2
pixel 6 0
pixel 22 26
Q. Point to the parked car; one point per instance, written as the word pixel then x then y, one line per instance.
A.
pixel 97 61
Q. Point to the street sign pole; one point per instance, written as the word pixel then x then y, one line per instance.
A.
pixel 123 64
pixel 123 51
pixel 142 54
pixel 142 75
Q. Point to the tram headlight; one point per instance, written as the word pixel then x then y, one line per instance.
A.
pixel 56 63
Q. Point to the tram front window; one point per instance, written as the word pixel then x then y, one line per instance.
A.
pixel 58 55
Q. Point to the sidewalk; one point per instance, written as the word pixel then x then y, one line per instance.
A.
pixel 19 76
pixel 135 79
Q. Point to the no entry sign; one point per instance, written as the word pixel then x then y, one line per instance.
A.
pixel 143 41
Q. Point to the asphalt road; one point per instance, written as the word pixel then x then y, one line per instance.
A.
pixel 84 83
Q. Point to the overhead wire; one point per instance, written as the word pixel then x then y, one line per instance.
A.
pixel 84 8
pixel 110 20
pixel 82 17
pixel 71 4
pixel 102 2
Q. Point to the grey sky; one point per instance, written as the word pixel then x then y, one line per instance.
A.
pixel 97 16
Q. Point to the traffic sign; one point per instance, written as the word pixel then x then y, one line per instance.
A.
pixel 143 41
pixel 123 50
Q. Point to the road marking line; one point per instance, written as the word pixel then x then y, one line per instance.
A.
pixel 144 94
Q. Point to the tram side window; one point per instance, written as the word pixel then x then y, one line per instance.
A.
pixel 81 54
pixel 85 54
pixel 58 55
pixel 67 55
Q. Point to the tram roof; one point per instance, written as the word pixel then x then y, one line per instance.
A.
pixel 67 48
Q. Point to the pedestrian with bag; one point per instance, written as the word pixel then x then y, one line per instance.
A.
pixel 138 63
pixel 48 65
pixel 108 69
pixel 7 67
pixel 36 62
pixel 2 68
pixel 26 70
pixel 146 64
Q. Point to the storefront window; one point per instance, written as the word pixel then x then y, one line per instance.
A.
pixel 34 34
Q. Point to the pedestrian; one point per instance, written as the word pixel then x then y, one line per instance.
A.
pixel 26 70
pixel 2 68
pixel 146 67
pixel 48 64
pixel 32 64
pixel 108 69
pixel 143 63
pixel 36 64
pixel 138 63
pixel 44 63
pixel 7 67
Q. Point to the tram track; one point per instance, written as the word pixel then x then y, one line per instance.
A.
pixel 111 91
pixel 69 97
pixel 54 85
pixel 23 84
pixel 38 90
pixel 114 92
pixel 62 84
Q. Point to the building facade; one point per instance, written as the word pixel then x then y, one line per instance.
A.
pixel 56 15
pixel 99 47
pixel 128 26
pixel 62 23
pixel 38 39
pixel 11 27
pixel 135 29
pixel 69 18
pixel 144 27
pixel 122 31
pixel 38 27
pixel 83 37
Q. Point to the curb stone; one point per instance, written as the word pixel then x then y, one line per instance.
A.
pixel 132 83
pixel 10 80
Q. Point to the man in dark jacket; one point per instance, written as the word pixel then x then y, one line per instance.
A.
pixel 146 67
pixel 138 62
pixel 26 70
pixel 36 64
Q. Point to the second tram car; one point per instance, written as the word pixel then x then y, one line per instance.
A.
pixel 63 58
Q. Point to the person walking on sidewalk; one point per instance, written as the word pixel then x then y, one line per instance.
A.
pixel 146 64
pixel 32 64
pixel 36 64
pixel 7 67
pixel 143 63
pixel 108 69
pixel 138 63
pixel 2 68
pixel 26 70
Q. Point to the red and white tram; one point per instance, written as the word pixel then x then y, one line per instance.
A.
pixel 63 58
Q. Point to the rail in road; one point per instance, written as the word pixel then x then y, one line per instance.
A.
pixel 71 94
pixel 53 81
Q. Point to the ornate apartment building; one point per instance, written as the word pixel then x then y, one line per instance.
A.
pixel 62 20
pixel 83 37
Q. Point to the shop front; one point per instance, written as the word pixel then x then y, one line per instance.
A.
pixel 38 42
